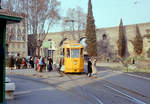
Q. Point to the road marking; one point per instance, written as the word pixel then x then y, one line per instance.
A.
pixel 97 99
pixel 22 92
pixel 130 97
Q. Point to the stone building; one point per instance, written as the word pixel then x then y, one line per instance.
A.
pixel 110 34
pixel 16 39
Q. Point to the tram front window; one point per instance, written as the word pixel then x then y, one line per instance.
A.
pixel 75 53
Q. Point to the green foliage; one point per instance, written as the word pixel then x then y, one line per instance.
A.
pixel 122 43
pixel 138 42
pixel 90 32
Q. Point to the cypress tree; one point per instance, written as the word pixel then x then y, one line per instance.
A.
pixel 122 43
pixel 90 32
pixel 138 42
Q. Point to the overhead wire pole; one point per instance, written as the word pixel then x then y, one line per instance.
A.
pixel 71 20
pixel 73 29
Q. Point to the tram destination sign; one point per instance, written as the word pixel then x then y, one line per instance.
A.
pixel 75 46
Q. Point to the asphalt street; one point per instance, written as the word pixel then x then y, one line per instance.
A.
pixel 110 87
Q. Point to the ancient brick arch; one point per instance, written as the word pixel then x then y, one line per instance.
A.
pixel 62 41
pixel 81 38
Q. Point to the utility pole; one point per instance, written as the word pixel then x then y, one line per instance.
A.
pixel 71 20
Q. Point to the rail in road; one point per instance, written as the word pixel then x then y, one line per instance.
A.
pixel 114 84
pixel 92 97
pixel 85 94
pixel 98 100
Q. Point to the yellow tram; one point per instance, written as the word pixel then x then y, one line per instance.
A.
pixel 73 57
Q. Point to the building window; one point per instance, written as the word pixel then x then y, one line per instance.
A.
pixel 147 30
pixel 19 37
pixel 13 37
pixel 51 44
pixel 104 36
pixel 45 52
pixel 68 52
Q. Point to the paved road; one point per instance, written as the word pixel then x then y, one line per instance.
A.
pixel 109 88
pixel 31 91
pixel 135 83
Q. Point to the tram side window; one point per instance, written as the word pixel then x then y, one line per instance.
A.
pixel 68 52
pixel 81 52
pixel 63 52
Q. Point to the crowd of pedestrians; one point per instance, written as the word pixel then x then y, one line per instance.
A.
pixel 38 63
pixel 41 64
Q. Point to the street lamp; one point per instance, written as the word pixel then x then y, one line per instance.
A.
pixel 71 20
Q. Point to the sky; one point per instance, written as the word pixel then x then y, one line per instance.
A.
pixel 107 13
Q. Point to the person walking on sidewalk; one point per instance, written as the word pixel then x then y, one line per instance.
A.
pixel 18 61
pixel 31 62
pixel 38 65
pixel 41 64
pixel 94 70
pixel 24 64
pixel 11 62
pixel 50 63
pixel 89 67
pixel 35 63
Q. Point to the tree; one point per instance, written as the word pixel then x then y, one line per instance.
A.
pixel 138 42
pixel 41 16
pixel 15 31
pixel 122 42
pixel 78 22
pixel 90 32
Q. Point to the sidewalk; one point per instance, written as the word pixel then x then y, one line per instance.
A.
pixel 33 73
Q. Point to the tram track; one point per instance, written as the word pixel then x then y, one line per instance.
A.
pixel 133 99
pixel 90 95
pixel 126 89
pixel 60 88
pixel 95 100
pixel 121 93
pixel 119 89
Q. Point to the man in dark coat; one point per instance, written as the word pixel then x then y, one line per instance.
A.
pixel 89 68
pixel 18 61
pixel 11 62
pixel 50 63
